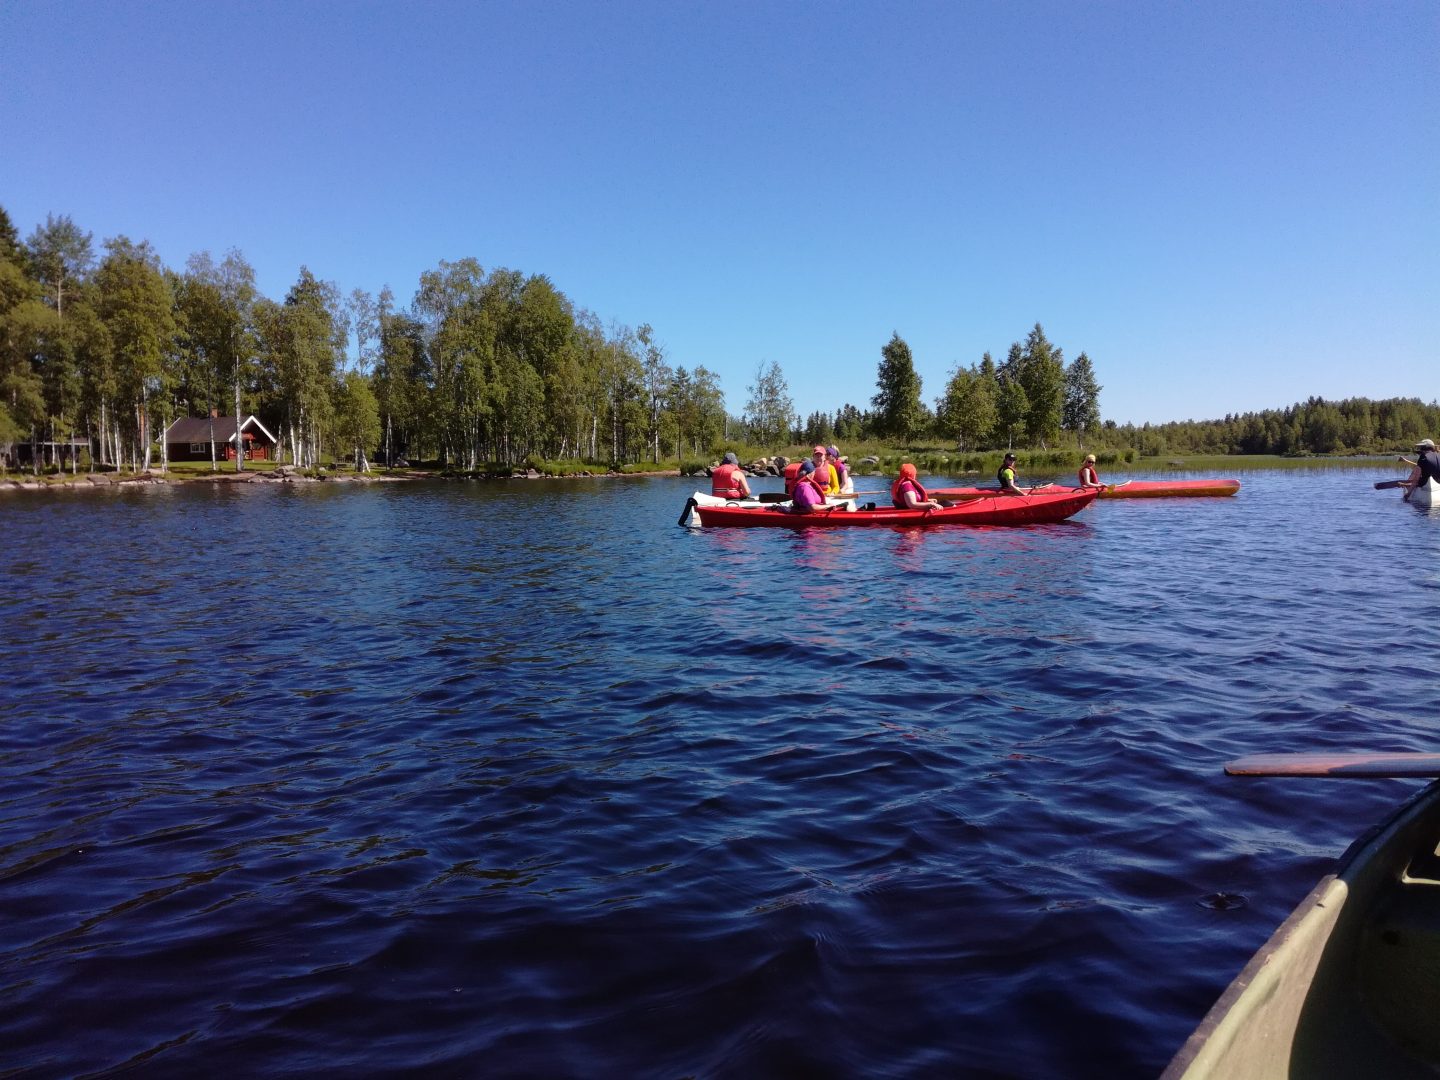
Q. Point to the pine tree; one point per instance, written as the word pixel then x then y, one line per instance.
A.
pixel 899 412
pixel 1082 398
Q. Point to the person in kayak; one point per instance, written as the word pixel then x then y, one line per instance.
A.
pixel 808 496
pixel 728 481
pixel 1089 478
pixel 1426 466
pixel 842 471
pixel 819 467
pixel 1006 476
pixel 907 494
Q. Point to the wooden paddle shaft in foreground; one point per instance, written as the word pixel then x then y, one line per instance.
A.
pixel 1360 764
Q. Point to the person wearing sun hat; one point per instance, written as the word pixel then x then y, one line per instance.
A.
pixel 1089 478
pixel 1426 466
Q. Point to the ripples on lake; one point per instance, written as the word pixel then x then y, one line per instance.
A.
pixel 524 780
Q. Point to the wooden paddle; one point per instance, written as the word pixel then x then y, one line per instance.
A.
pixel 1343 764
pixel 1381 485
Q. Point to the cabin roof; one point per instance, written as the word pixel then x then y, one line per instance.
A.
pixel 196 429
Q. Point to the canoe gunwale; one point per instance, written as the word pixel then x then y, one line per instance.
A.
pixel 1331 910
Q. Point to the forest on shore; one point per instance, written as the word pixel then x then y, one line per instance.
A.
pixel 486 370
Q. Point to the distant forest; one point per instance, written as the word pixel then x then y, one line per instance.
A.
pixel 487 369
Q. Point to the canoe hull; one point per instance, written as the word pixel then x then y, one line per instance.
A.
pixel 1426 494
pixel 1346 985
pixel 1002 510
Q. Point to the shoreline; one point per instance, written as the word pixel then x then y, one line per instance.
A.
pixel 286 474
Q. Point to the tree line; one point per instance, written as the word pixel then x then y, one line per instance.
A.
pixel 482 367
pixel 496 368
pixel 1032 397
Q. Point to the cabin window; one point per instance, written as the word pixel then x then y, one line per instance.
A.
pixel 197 448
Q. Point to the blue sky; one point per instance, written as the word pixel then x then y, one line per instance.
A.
pixel 1228 206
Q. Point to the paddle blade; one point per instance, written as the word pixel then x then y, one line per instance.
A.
pixel 1383 484
pixel 1337 764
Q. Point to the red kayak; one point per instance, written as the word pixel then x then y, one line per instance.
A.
pixel 1130 489
pixel 1039 509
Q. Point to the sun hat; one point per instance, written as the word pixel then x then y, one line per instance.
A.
pixel 730 459
pixel 1009 457
pixel 1089 457
pixel 818 450
pixel 1425 444
pixel 833 451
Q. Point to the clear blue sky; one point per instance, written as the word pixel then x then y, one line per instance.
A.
pixel 1229 206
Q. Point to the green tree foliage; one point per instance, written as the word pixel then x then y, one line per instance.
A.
pixel 968 411
pixel 481 367
pixel 1314 426
pixel 658 379
pixel 357 416
pixel 769 413
pixel 1011 409
pixel 403 380
pixel 1082 399
pixel 1041 373
pixel 899 412
pixel 300 343
pixel 851 424
pixel 135 303
pixel 10 249
pixel 60 255
pixel 218 338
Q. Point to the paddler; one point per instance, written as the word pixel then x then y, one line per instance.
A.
pixel 1426 466
pixel 823 472
pixel 1006 476
pixel 1089 478
pixel 907 494
pixel 728 480
pixel 808 496
pixel 842 471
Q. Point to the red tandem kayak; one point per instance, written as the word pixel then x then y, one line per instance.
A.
pixel 1130 489
pixel 1038 509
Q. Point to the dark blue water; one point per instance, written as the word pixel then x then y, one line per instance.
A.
pixel 526 781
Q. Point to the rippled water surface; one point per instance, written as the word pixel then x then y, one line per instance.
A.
pixel 525 780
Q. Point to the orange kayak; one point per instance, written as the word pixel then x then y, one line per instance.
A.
pixel 1130 489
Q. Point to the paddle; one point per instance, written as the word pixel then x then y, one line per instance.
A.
pixel 685 514
pixel 1383 484
pixel 1343 764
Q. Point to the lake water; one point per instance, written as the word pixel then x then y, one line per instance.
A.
pixel 524 780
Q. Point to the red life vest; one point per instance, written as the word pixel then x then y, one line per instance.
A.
pixel 725 482
pixel 792 471
pixel 1088 476
pixel 897 493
